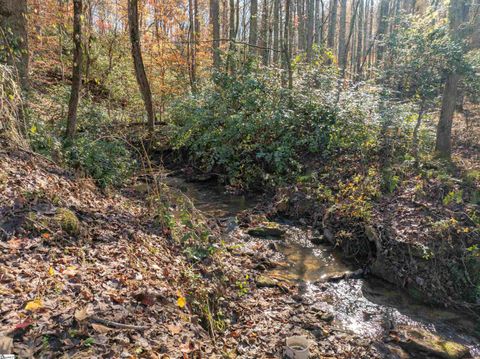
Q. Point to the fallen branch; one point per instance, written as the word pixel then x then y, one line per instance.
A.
pixel 117 325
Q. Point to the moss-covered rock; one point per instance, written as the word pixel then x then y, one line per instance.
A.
pixel 420 340
pixel 68 221
pixel 268 230
pixel 265 282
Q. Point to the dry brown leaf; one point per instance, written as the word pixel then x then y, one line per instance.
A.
pixel 6 345
pixel 83 313
pixel 174 329
pixel 100 328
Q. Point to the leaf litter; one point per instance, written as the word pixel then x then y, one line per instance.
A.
pixel 122 288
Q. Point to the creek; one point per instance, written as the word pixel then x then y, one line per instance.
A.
pixel 367 306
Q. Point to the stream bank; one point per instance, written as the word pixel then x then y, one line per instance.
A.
pixel 327 299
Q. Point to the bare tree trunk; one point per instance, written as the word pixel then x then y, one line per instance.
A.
pixel 276 30
pixel 253 32
pixel 232 36
pixel 458 14
pixel 359 46
pixel 77 70
pixel 382 29
pixel 191 49
pixel 264 33
pixel 443 143
pixel 13 17
pixel 214 20
pixel 332 24
pixel 287 61
pixel 138 62
pixel 415 133
pixel 310 28
pixel 342 52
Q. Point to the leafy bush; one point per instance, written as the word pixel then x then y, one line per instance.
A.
pixel 108 162
pixel 258 133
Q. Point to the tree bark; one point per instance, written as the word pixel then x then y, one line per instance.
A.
pixel 332 24
pixel 342 52
pixel 287 61
pixel 138 62
pixel 214 20
pixel 276 30
pixel 310 28
pixel 264 33
pixel 443 143
pixel 76 71
pixel 253 32
pixel 458 14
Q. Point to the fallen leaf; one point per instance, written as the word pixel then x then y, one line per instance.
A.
pixel 181 301
pixel 23 325
pixel 83 313
pixel 46 235
pixel 34 305
pixel 174 329
pixel 51 271
pixel 100 328
pixel 6 345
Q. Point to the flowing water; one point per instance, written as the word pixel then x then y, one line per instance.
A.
pixel 369 307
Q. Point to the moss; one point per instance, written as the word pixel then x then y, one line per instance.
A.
pixel 454 350
pixel 265 282
pixel 68 221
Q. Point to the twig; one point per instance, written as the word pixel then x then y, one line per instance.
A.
pixel 112 324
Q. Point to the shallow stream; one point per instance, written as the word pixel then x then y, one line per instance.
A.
pixel 369 306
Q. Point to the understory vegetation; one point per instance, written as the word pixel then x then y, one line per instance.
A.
pixel 357 119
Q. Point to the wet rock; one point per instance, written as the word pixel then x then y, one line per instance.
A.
pixel 326 317
pixel 319 240
pixel 265 282
pixel 272 246
pixel 265 232
pixel 419 340
pixel 204 177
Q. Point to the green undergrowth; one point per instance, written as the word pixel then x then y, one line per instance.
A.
pixel 97 151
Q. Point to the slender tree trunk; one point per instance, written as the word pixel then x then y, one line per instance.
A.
pixel 359 46
pixel 287 45
pixel 276 30
pixel 458 14
pixel 301 24
pixel 214 20
pixel 192 46
pixel 232 36
pixel 415 133
pixel 382 30
pixel 342 52
pixel 264 33
pixel 253 32
pixel 332 24
pixel 310 28
pixel 443 143
pixel 138 62
pixel 77 70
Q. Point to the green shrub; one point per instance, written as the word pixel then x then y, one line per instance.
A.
pixel 258 133
pixel 108 162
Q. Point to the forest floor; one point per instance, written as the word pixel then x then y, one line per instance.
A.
pixel 86 274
